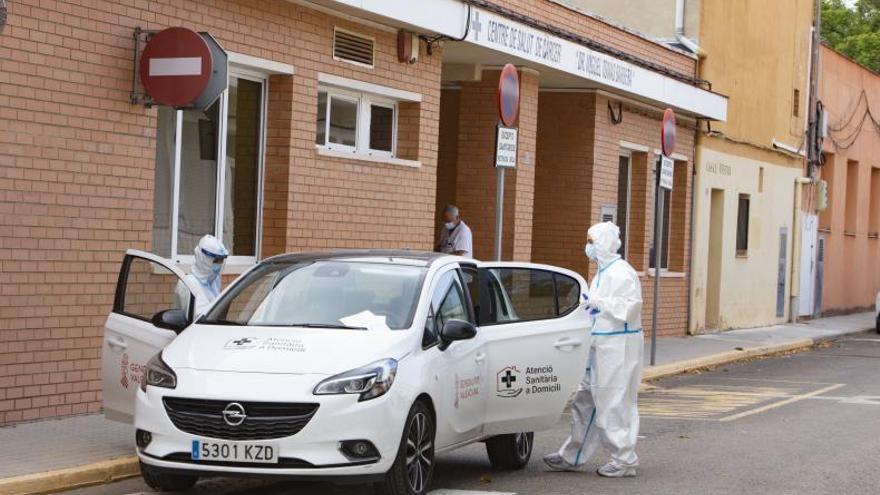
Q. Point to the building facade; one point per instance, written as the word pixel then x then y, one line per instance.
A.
pixel 747 246
pixel 847 274
pixel 748 219
pixel 325 137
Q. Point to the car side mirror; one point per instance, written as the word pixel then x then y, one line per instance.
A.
pixel 171 319
pixel 456 330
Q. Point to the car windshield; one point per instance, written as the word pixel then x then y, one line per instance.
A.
pixel 322 294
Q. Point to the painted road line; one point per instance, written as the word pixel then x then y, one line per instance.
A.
pixel 763 380
pixel 708 402
pixel 782 403
pixel 867 400
pixel 442 491
pixel 445 491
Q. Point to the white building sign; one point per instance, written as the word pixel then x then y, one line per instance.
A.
pixel 505 147
pixel 667 172
pixel 504 35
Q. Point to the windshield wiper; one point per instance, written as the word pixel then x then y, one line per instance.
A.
pixel 326 325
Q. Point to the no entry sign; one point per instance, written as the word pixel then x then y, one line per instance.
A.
pixel 508 95
pixel 176 66
pixel 667 132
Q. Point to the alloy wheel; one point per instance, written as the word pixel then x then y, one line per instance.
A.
pixel 419 452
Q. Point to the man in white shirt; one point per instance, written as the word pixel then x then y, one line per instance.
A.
pixel 456 237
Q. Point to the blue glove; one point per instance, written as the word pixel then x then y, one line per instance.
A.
pixel 593 311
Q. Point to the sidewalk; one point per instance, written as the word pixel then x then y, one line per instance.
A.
pixel 66 453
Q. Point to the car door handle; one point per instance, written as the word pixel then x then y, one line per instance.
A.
pixel 117 344
pixel 480 357
pixel 567 342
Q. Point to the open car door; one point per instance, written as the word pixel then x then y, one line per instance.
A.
pixel 148 288
pixel 537 337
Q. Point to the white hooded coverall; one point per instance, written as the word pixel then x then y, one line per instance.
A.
pixel 205 275
pixel 604 409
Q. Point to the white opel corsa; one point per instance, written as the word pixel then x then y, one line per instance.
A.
pixel 354 366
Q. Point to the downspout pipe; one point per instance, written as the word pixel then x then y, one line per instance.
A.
pixel 679 18
pixel 679 29
pixel 795 267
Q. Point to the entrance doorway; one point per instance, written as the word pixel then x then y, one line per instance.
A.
pixel 713 273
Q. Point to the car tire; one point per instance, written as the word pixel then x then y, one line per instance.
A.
pixel 878 323
pixel 413 467
pixel 167 482
pixel 511 451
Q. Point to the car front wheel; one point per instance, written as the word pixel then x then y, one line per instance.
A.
pixel 167 482
pixel 414 465
pixel 511 451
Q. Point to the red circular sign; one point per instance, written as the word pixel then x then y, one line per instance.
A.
pixel 667 132
pixel 175 66
pixel 508 95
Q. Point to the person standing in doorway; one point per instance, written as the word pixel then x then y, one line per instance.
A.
pixel 210 257
pixel 456 237
pixel 604 410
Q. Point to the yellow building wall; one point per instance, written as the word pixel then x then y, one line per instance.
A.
pixel 746 284
pixel 757 53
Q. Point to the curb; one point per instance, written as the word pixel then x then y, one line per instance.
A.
pixel 127 467
pixel 71 478
pixel 679 367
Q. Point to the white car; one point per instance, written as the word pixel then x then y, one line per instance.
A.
pixel 344 366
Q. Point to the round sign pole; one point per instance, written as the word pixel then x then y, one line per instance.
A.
pixel 667 145
pixel 508 111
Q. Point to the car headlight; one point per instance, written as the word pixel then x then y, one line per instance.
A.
pixel 158 374
pixel 369 381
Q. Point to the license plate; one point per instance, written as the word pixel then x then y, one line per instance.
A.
pixel 211 450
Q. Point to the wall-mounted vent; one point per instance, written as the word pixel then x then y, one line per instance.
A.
pixel 353 48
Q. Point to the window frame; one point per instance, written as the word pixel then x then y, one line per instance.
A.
pixel 742 253
pixel 220 183
pixel 553 275
pixel 625 153
pixel 457 275
pixel 364 101
pixel 666 218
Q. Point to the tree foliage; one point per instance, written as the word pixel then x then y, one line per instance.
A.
pixel 853 31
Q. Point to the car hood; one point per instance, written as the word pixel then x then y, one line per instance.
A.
pixel 289 350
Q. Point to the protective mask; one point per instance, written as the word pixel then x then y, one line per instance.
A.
pixel 450 225
pixel 590 251
pixel 216 268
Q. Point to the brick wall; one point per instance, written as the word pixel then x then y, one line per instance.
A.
pixel 473 151
pixel 77 166
pixel 577 172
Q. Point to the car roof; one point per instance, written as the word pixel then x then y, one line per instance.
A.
pixel 393 256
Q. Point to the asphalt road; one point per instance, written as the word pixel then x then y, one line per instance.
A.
pixel 798 424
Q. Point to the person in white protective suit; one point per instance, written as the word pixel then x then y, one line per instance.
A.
pixel 210 256
pixel 604 410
